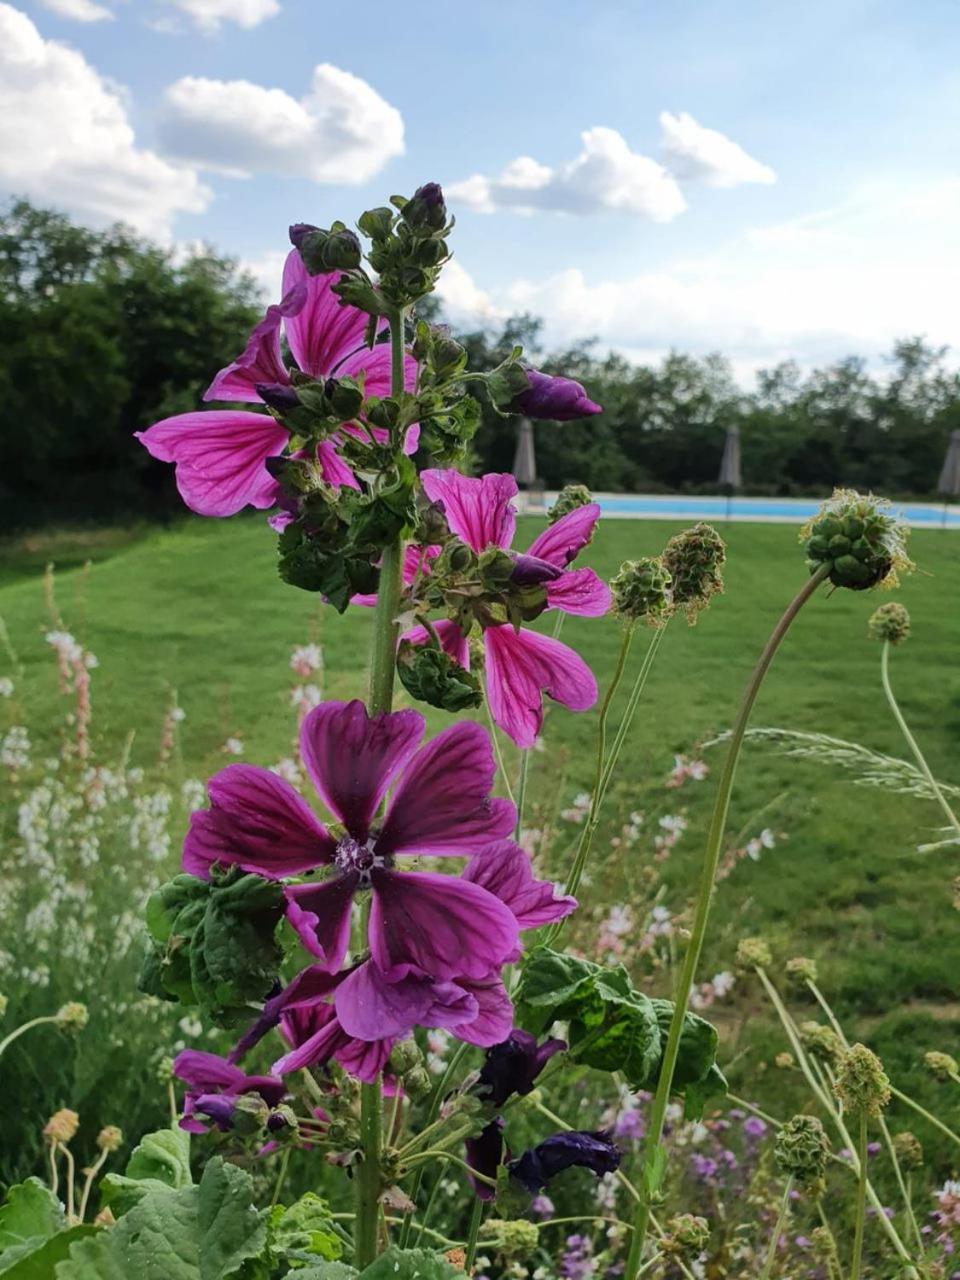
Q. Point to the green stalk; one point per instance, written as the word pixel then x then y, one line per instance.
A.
pixel 26 1026
pixel 911 740
pixel 777 1231
pixel 522 791
pixel 698 932
pixel 633 702
pixel 383 667
pixel 476 1218
pixel 856 1260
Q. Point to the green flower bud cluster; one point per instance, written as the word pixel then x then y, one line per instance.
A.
pixel 641 590
pixel 570 498
pixel 801 1149
pixel 515 1237
pixel 820 1041
pixel 685 1235
pixel 801 970
pixel 753 953
pixel 908 1149
pixel 859 540
pixel 694 559
pixel 408 247
pixel 890 622
pixel 941 1065
pixel 328 249
pixel 406 1063
pixel 822 1244
pixel 862 1083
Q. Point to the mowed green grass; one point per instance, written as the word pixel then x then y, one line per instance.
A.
pixel 199 608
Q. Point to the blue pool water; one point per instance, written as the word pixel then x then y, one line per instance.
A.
pixel 785 509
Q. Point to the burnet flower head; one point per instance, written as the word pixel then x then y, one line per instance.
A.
pixel 520 665
pixel 221 454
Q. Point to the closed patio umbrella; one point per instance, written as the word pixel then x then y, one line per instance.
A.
pixel 949 483
pixel 730 478
pixel 525 459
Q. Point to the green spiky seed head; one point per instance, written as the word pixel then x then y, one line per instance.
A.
pixel 570 498
pixel 417 1083
pixel 641 590
pixel 820 1041
pixel 908 1150
pixel 694 559
pixel 516 1238
pixel 685 1234
pixel 801 1149
pixel 753 953
pixel 404 1056
pixel 890 622
pixel 940 1065
pixel 858 539
pixel 801 970
pixel 862 1083
pixel 822 1244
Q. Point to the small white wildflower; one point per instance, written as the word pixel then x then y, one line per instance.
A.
pixel 177 714
pixel 306 658
pixel 6 687
pixel 233 747
pixel 288 770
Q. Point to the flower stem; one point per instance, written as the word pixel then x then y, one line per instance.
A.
pixel 702 914
pixel 383 668
pixel 521 792
pixel 501 765
pixel 928 1116
pixel 857 1258
pixel 476 1217
pixel 911 740
pixel 27 1026
pixel 631 709
pixel 777 1231
pixel 88 1185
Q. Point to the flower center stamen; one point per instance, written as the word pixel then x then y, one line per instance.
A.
pixel 360 858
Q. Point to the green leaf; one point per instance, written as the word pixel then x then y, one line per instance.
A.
pixel 410 1264
pixel 205 1232
pixel 306 1227
pixel 696 1076
pixel 431 675
pixel 325 1271
pixel 161 1160
pixel 37 1262
pixel 29 1212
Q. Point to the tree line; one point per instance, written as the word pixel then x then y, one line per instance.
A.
pixel 102 333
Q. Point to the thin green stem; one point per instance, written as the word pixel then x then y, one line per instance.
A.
pixel 702 913
pixel 777 1232
pixel 494 738
pixel 281 1177
pixel 911 740
pixel 433 1111
pixel 476 1217
pixel 172 1102
pixel 521 792
pixel 904 1192
pixel 92 1172
pixel 928 1116
pixel 636 693
pixel 71 1176
pixel 438 1153
pixel 748 1106
pixel 861 1217
pixel 54 1170
pixel 26 1026
pixel 434 1191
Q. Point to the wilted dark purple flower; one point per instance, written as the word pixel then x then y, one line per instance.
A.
pixel 594 1151
pixel 278 395
pixel 513 1065
pixel 484 1154
pixel 531 571
pixel 559 399
pixel 215 1087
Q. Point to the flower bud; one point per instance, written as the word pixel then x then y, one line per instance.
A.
pixel 553 398
pixel 344 396
pixel 800 1150
pixel 694 559
pixel 72 1016
pixel 801 970
pixel 110 1138
pixel 862 1083
pixel 324 251
pixel 685 1234
pixel 784 1061
pixel 857 537
pixel 164 1070
pixel 890 622
pixel 404 1056
pixel 278 396
pixel 820 1041
pixel 753 953
pixel 570 498
pixel 298 231
pixel 908 1150
pixel 940 1065
pixel 426 208
pixel 62 1126
pixel 517 1237
pixel 642 590
pixel 417 1083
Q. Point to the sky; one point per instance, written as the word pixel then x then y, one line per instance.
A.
pixel 767 179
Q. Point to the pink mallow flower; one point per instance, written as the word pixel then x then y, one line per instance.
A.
pixel 521 666
pixel 214 1086
pixel 221 454
pixel 423 924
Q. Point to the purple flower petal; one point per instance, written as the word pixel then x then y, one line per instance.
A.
pixel 580 592
pixel 438 925
pixel 261 360
pixel 505 870
pixel 206 1072
pixel 220 456
pixel 373 363
pixel 494 1016
pixel 478 510
pixel 592 1151
pixel 322 333
pixel 333 468
pixel 442 804
pixel 318 1048
pixel 562 542
pixel 513 1064
pixel 320 913
pixel 520 668
pixel 352 757
pixel 369 1006
pixel 452 640
pixel 485 1153
pixel 257 822
pixel 553 398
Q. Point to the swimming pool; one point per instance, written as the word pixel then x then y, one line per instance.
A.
pixel 782 510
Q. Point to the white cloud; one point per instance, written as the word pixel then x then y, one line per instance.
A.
pixel 605 177
pixel 65 138
pixel 209 15
pixel 849 280
pixel 340 131
pixel 464 303
pixel 267 269
pixel 696 153
pixel 78 10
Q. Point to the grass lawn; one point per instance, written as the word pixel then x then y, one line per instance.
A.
pixel 199 608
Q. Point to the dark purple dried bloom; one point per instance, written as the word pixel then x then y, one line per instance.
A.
pixel 484 1153
pixel 559 399
pixel 594 1151
pixel 299 230
pixel 278 396
pixel 531 571
pixel 513 1065
pixel 215 1086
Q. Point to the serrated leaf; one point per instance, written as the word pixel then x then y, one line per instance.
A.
pixel 37 1262
pixel 306 1226
pixel 231 1229
pixel 324 1271
pixel 410 1264
pixel 29 1212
